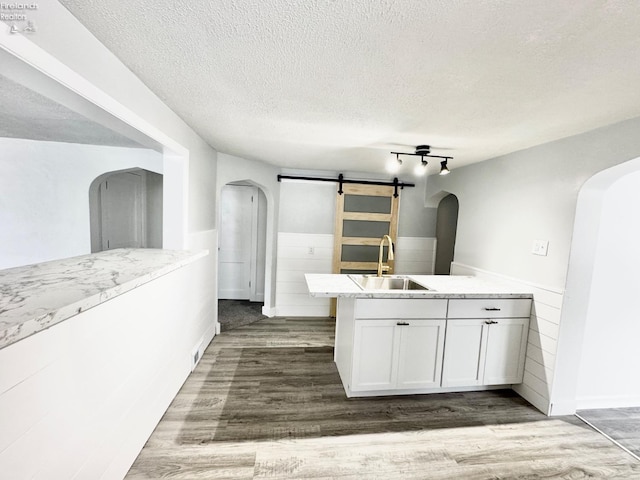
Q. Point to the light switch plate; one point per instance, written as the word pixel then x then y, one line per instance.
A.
pixel 540 247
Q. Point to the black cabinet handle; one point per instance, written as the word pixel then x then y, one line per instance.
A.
pixel 492 309
pixel 490 322
pixel 403 324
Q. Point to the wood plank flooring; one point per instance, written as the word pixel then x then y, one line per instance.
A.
pixel 266 402
pixel 621 424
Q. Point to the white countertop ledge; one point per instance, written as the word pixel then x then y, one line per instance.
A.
pixel 36 297
pixel 442 286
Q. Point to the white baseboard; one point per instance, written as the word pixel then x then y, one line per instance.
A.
pixel 269 312
pixel 204 342
pixel 303 311
pixel 607 402
pixel 568 407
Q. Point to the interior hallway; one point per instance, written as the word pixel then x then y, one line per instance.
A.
pixel 266 402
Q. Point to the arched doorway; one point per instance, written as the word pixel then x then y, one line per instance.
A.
pixel 126 210
pixel 446 228
pixel 597 346
pixel 241 254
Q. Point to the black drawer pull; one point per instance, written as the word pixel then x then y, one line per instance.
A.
pixel 403 324
pixel 490 322
pixel 492 309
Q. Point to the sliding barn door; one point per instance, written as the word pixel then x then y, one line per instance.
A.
pixel 364 213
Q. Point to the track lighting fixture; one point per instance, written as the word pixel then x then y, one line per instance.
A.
pixel 421 168
pixel 422 151
pixel 394 164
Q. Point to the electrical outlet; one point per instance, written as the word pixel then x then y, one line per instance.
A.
pixel 311 251
pixel 540 247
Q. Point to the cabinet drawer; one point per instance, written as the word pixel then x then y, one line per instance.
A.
pixel 490 308
pixel 401 308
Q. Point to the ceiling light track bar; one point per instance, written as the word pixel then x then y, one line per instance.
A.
pixel 341 180
pixel 422 155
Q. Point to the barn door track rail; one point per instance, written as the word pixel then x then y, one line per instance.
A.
pixel 341 181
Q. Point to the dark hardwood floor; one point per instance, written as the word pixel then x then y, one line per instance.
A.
pixel 266 402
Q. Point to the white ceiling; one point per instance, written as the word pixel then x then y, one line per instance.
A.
pixel 30 115
pixel 336 85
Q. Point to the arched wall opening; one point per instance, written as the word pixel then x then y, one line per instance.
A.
pixel 597 344
pixel 245 273
pixel 242 242
pixel 446 229
pixel 26 64
pixel 125 210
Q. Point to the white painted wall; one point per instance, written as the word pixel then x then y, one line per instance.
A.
pixel 607 372
pixel 308 207
pixel 44 206
pixel 261 257
pixel 154 194
pixel 505 204
pixel 508 202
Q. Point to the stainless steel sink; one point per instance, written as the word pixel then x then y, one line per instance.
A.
pixel 386 282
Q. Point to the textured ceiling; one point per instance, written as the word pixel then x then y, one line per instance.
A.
pixel 27 114
pixel 337 84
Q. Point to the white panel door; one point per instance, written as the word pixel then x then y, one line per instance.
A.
pixel 122 212
pixel 374 355
pixel 235 242
pixel 464 353
pixel 420 357
pixel 506 348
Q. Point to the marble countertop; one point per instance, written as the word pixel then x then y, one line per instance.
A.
pixel 36 297
pixel 440 286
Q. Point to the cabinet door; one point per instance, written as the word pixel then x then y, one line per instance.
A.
pixel 464 353
pixel 420 353
pixel 375 354
pixel 506 348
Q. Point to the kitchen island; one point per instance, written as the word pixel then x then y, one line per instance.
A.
pixel 445 334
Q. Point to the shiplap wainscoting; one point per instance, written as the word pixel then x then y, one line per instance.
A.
pixel 80 399
pixel 300 253
pixel 543 337
pixel 415 255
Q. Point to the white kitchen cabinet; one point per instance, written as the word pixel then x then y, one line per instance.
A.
pixel 420 354
pixel 397 354
pixel 506 349
pixel 489 350
pixel 375 355
pixel 404 346
pixel 464 353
